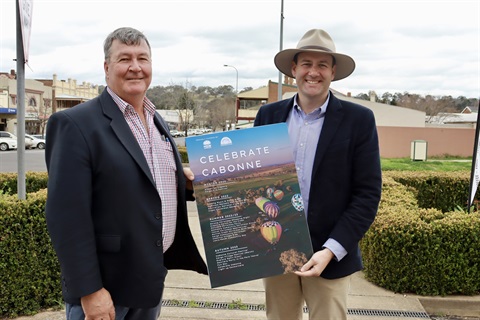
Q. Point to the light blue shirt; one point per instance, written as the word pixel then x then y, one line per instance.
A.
pixel 304 131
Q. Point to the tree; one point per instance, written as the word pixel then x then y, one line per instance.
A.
pixel 362 96
pixel 185 105
pixel 246 89
pixel 220 111
pixel 387 98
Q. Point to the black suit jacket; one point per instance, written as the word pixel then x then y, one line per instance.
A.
pixel 103 210
pixel 346 178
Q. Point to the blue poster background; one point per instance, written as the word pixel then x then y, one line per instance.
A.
pixel 249 203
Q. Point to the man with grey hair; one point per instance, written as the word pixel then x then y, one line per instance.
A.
pixel 116 207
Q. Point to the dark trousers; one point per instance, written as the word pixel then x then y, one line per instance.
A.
pixel 75 312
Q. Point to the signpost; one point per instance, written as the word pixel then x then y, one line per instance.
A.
pixel 24 21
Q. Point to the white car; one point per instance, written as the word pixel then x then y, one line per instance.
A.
pixel 35 142
pixel 176 133
pixel 7 143
pixel 6 134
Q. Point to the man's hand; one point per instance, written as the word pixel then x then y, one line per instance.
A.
pixel 189 176
pixel 317 263
pixel 98 306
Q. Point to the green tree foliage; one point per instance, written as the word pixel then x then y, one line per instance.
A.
pixel 431 105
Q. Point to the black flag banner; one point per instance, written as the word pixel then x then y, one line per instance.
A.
pixel 475 172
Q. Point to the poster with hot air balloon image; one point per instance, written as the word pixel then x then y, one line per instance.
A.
pixel 249 204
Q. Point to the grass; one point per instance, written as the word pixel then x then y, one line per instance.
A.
pixel 440 164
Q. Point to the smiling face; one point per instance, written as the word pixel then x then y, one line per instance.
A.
pixel 128 70
pixel 313 72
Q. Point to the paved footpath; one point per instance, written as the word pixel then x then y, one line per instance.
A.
pixel 188 296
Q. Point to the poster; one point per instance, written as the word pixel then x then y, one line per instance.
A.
pixel 249 204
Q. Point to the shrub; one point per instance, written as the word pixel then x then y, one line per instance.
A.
pixel 29 269
pixel 34 181
pixel 441 190
pixel 421 250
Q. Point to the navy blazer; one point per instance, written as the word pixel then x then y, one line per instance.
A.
pixel 104 213
pixel 346 178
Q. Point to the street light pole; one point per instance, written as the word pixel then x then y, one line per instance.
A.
pixel 236 92
pixel 236 83
pixel 280 90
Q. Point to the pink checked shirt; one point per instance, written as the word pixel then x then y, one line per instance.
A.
pixel 159 155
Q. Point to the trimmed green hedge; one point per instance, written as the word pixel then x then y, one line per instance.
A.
pixel 34 181
pixel 29 269
pixel 441 190
pixel 423 251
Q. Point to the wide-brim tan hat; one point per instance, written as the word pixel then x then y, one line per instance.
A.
pixel 315 40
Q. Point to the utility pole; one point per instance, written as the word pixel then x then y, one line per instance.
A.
pixel 280 76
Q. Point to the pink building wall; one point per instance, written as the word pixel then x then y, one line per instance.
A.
pixel 395 142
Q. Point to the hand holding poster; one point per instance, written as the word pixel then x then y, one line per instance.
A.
pixel 249 204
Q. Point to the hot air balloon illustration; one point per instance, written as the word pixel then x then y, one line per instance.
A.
pixel 278 194
pixel 271 231
pixel 269 193
pixel 267 206
pixel 297 202
pixel 260 201
pixel 271 209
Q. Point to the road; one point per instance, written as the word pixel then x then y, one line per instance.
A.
pixel 34 161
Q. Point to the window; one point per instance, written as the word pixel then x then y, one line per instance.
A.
pixel 32 102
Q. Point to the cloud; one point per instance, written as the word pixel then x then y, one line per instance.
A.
pixel 424 47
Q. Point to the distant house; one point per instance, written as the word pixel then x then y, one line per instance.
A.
pixel 470 110
pixel 466 118
pixel 175 118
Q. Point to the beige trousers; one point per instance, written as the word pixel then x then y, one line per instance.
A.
pixel 326 299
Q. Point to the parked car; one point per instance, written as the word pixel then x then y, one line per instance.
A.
pixel 192 132
pixel 7 143
pixel 6 134
pixel 176 133
pixel 36 142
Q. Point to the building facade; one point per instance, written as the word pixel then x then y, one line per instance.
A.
pixel 398 128
pixel 42 98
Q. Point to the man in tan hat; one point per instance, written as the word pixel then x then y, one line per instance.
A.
pixel 337 157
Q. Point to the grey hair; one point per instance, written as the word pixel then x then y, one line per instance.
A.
pixel 126 35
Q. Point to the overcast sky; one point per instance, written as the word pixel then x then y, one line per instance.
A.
pixel 425 47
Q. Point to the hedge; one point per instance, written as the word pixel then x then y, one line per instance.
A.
pixel 29 269
pixel 424 251
pixel 34 181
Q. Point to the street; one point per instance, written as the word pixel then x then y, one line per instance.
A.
pixel 34 161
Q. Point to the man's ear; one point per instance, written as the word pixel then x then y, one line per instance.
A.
pixel 294 69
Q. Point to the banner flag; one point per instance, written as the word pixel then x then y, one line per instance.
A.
pixel 475 172
pixel 26 10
